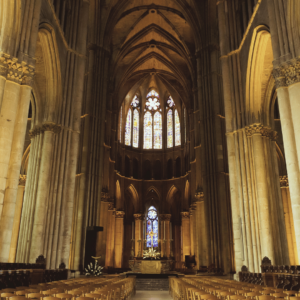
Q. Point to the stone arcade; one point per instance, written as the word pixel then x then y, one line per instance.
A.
pixel 180 118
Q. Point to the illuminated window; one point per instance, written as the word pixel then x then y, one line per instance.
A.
pixel 136 126
pixel 152 225
pixel 153 94
pixel 177 129
pixel 170 128
pixel 135 102
pixel 170 102
pixel 120 126
pixel 148 130
pixel 128 129
pixel 152 104
pixel 157 131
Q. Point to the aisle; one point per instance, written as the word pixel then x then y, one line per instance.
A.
pixel 152 295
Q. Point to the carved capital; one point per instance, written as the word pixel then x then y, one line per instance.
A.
pixel 111 206
pixel 165 217
pixel 138 217
pixel 49 126
pixel 28 75
pixel 185 215
pixel 22 180
pixel 287 74
pixel 199 195
pixel 35 131
pixel 284 182
pixel 254 129
pixel 120 214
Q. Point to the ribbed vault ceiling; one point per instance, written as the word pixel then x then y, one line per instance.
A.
pixel 152 38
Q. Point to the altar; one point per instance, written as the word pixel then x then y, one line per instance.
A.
pixel 151 266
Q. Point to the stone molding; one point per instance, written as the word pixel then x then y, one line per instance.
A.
pixel 165 217
pixel 120 214
pixel 138 217
pixel 14 70
pixel 284 181
pixel 185 215
pixel 259 129
pixel 111 206
pixel 49 126
pixel 22 180
pixel 287 74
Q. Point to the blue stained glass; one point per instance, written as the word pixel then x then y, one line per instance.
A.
pixel 153 94
pixel 157 131
pixel 152 225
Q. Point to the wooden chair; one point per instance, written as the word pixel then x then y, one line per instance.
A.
pixel 5 295
pixel 20 288
pixel 208 296
pixel 94 296
pixel 64 296
pixel 252 295
pixel 31 291
pixel 279 295
pixel 20 293
pixel 17 298
pixel 267 292
pixel 265 297
pixel 35 296
pixel 51 298
pixel 84 298
pixel 235 297
pixel 294 298
pixel 224 295
pixel 7 291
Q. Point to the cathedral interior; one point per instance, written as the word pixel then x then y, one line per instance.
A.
pixel 135 125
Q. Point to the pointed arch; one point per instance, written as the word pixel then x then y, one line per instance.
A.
pixel 173 189
pixel 118 192
pixel 187 191
pixel 259 75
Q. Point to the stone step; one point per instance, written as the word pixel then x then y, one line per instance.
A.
pixel 152 284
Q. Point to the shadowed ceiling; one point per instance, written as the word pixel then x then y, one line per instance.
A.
pixel 152 41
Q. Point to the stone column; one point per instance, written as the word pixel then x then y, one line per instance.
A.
pixel 186 238
pixel 102 236
pixel 109 259
pixel 138 234
pixel 17 220
pixel 289 222
pixel 38 231
pixel 119 239
pixel 165 234
pixel 267 242
pixel 192 220
pixel 289 139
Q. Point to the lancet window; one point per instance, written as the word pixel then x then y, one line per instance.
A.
pixel 132 125
pixel 152 225
pixel 173 124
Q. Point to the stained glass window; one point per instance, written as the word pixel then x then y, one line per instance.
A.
pixel 128 129
pixel 170 128
pixel 153 94
pixel 177 129
pixel 157 131
pixel 152 104
pixel 170 102
pixel 120 125
pixel 136 127
pixel 135 102
pixel 152 225
pixel 148 130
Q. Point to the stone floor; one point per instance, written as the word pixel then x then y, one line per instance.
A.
pixel 152 295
